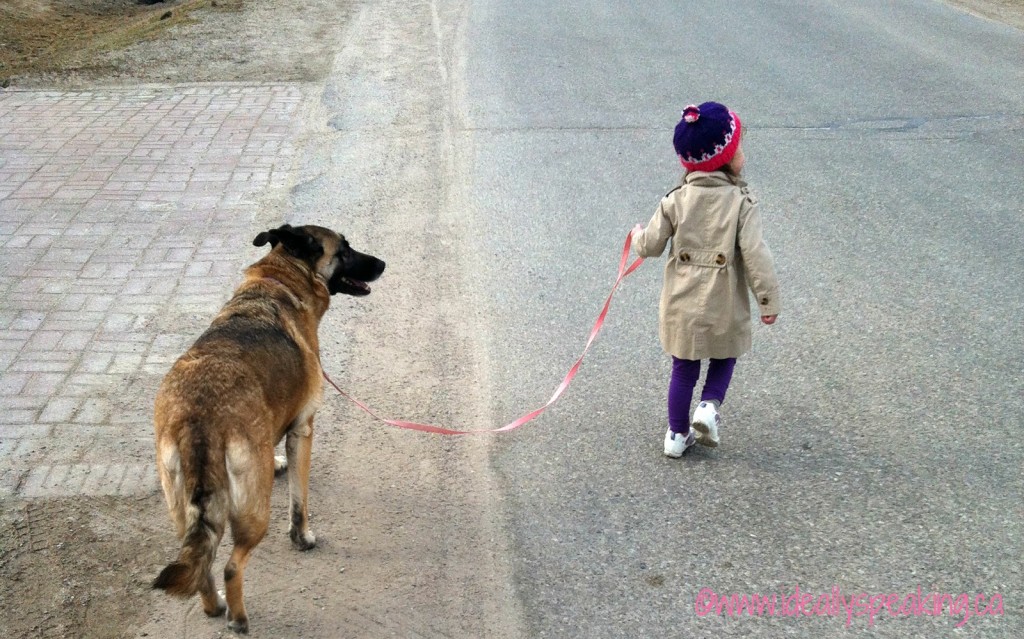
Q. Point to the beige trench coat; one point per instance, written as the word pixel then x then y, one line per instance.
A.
pixel 717 252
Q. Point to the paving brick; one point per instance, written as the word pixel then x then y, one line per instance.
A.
pixel 28 321
pixel 125 363
pixel 109 342
pixel 14 418
pixel 22 426
pixel 93 411
pixel 30 402
pixel 75 340
pixel 30 366
pixel 93 379
pixel 59 410
pixel 54 479
pixel 111 480
pixel 139 479
pixel 7 448
pixel 119 212
pixel 44 340
pixel 11 345
pixel 95 479
pixel 73 302
pixel 117 322
pixel 31 449
pixel 95 362
pixel 12 383
pixel 32 486
pixel 74 479
pixel 141 420
pixel 10 479
pixel 44 384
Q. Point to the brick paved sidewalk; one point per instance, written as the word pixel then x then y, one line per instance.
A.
pixel 124 220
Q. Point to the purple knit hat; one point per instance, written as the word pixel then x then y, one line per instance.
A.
pixel 707 137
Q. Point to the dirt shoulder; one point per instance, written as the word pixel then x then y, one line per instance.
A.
pixel 78 567
pixel 84 43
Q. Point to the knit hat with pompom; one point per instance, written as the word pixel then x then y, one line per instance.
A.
pixel 707 137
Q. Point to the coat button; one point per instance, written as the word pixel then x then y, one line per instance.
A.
pixel 720 259
pixel 685 257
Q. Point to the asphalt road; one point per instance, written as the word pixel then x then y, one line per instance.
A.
pixel 872 437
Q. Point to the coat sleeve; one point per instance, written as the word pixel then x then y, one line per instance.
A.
pixel 758 261
pixel 651 241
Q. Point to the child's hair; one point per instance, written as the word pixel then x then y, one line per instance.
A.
pixel 725 168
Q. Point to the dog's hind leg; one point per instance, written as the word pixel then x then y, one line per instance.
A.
pixel 247 534
pixel 172 479
pixel 251 481
pixel 213 603
pixel 298 446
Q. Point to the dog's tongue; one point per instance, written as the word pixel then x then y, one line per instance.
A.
pixel 358 284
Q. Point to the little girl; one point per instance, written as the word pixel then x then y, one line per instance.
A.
pixel 717 252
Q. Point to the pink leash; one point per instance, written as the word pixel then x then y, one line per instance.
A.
pixel 426 428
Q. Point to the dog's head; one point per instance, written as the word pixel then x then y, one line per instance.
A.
pixel 327 253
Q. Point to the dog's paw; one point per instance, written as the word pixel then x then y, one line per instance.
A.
pixel 218 608
pixel 280 464
pixel 239 626
pixel 302 540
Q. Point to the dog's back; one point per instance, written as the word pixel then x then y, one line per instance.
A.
pixel 237 388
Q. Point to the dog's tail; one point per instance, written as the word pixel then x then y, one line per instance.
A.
pixel 183 577
pixel 202 530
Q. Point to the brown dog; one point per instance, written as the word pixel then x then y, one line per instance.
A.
pixel 251 379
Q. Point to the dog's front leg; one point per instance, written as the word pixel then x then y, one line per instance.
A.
pixel 298 446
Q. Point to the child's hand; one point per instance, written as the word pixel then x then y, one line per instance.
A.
pixel 769 319
pixel 636 230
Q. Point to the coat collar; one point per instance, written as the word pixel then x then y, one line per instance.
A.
pixel 713 178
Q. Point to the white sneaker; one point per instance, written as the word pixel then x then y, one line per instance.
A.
pixel 676 443
pixel 705 422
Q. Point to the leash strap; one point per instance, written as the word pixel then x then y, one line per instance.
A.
pixel 624 270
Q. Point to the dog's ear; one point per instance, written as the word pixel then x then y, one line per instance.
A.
pixel 264 237
pixel 297 242
pixel 273 236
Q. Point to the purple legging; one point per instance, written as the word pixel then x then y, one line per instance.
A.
pixel 685 373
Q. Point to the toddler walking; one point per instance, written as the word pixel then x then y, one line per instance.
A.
pixel 717 253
